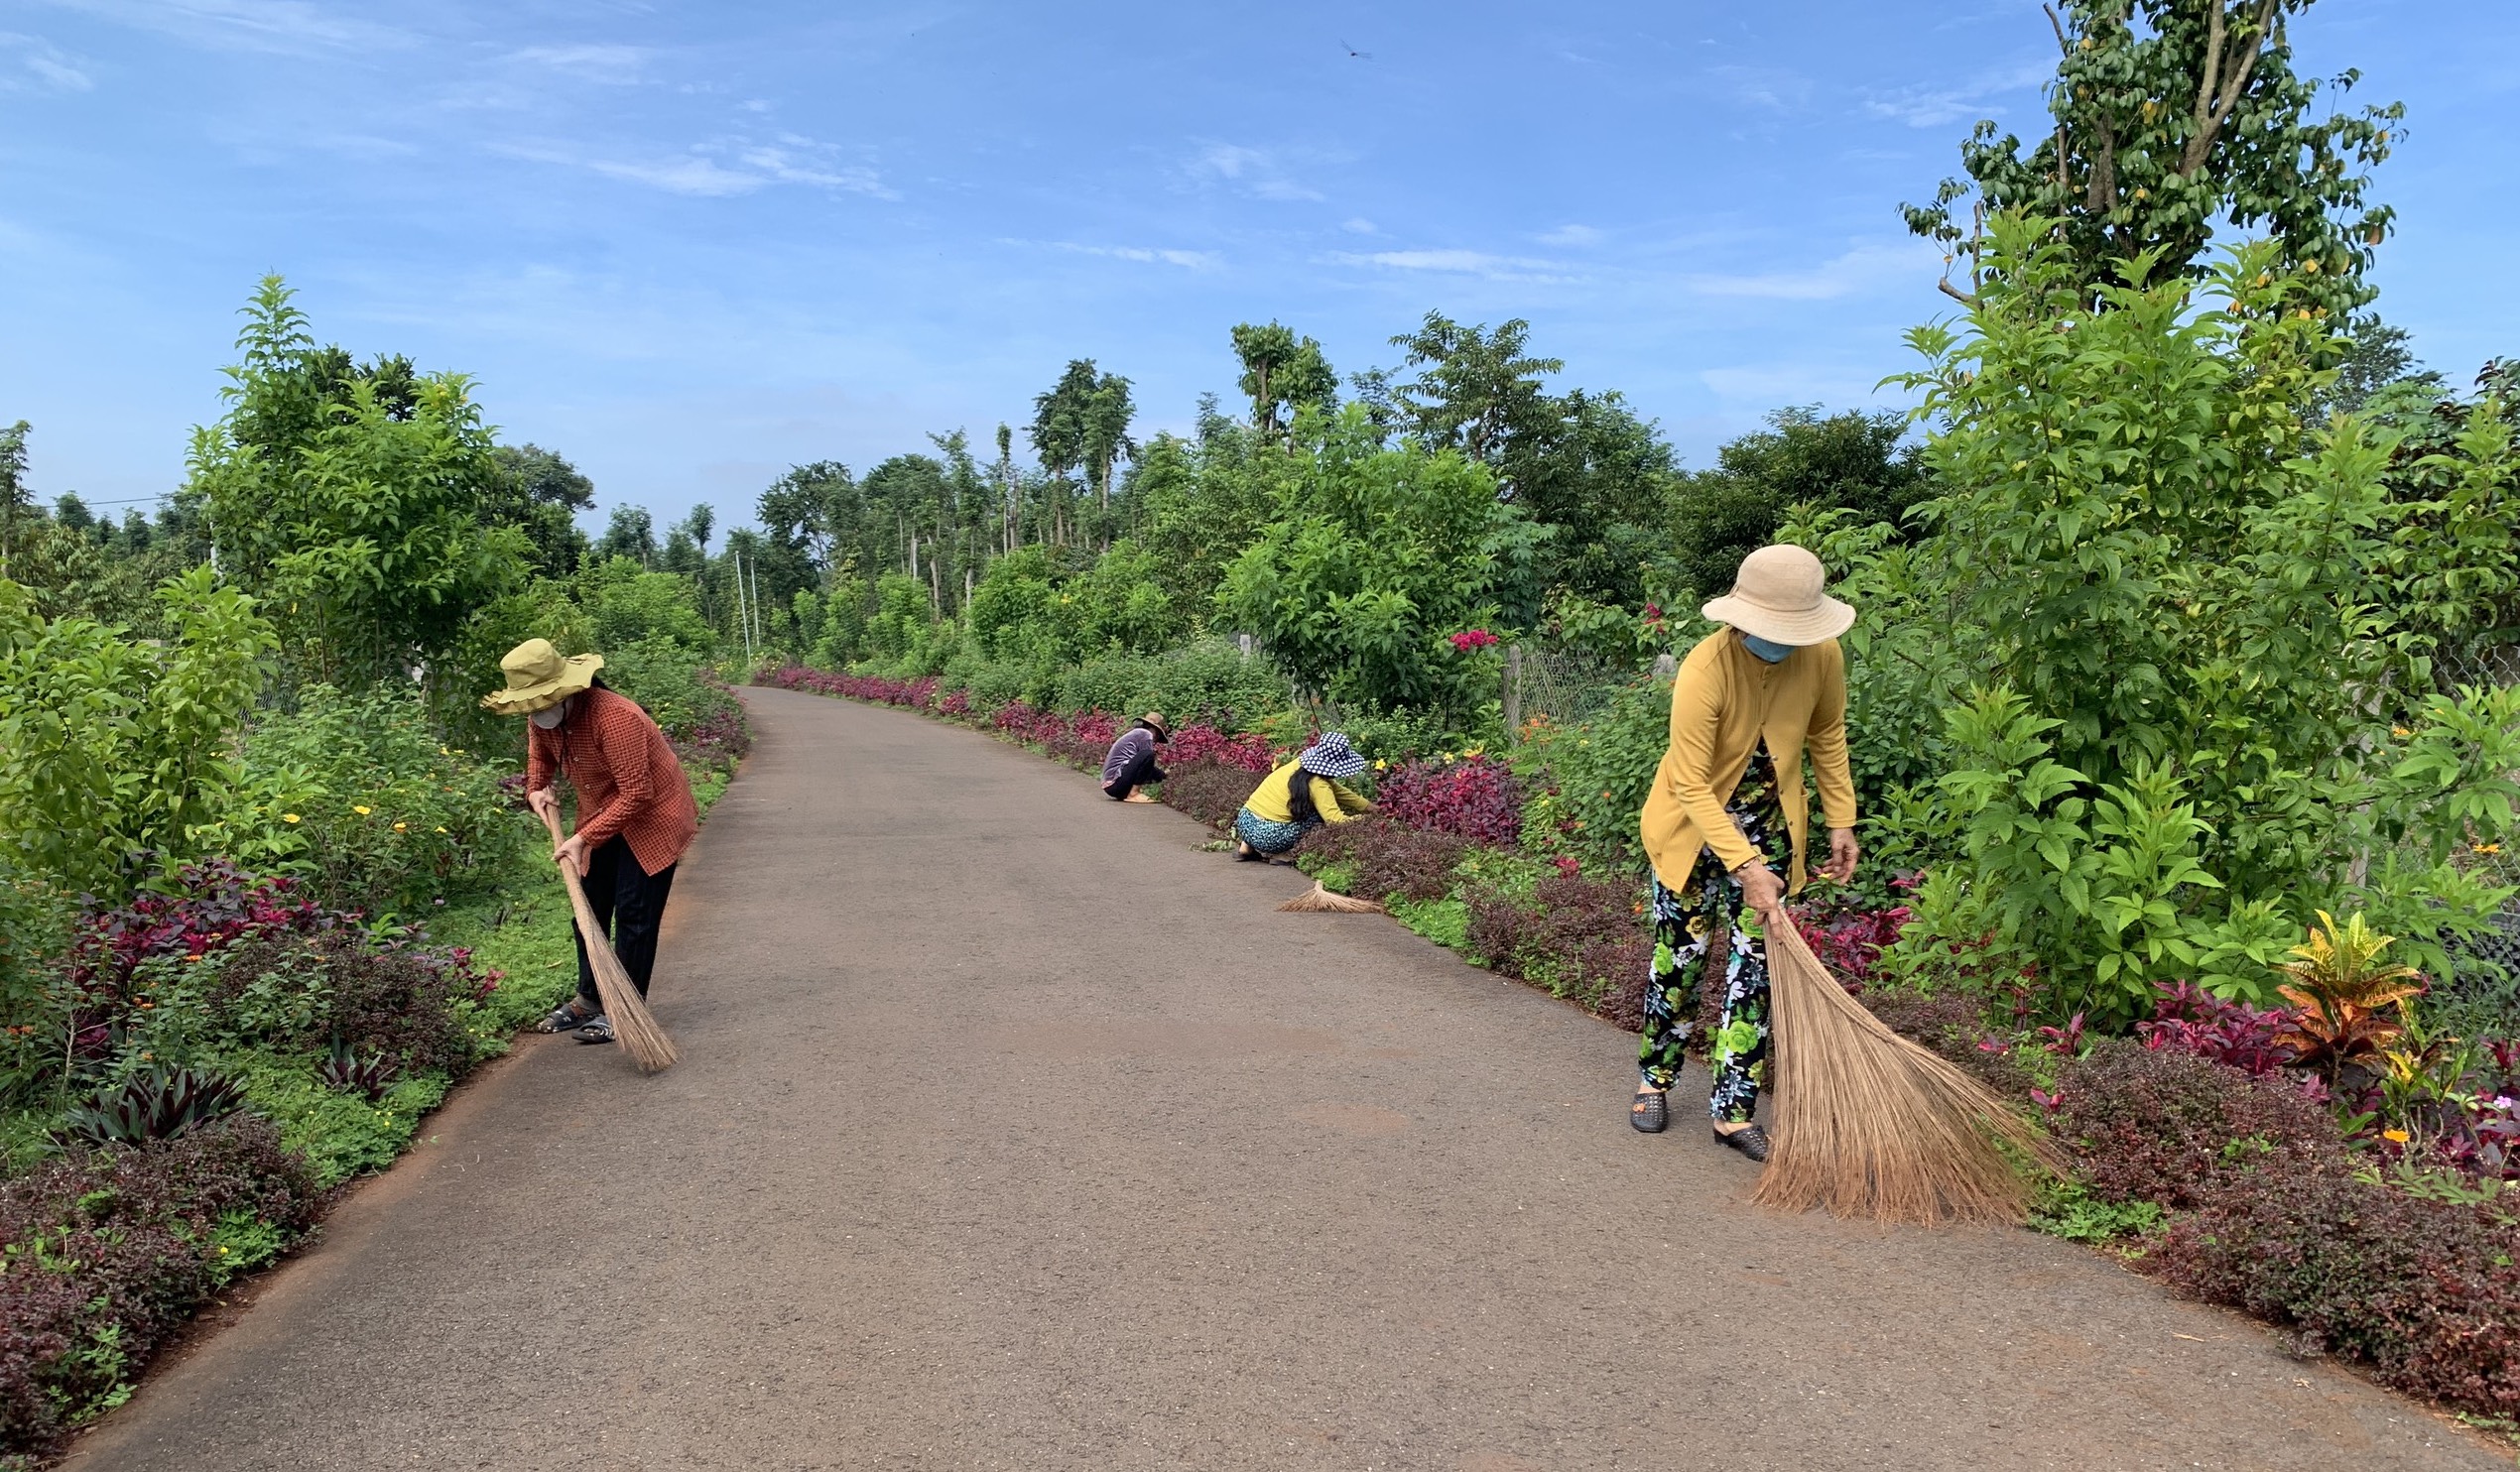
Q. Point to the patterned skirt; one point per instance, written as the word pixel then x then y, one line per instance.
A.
pixel 1265 836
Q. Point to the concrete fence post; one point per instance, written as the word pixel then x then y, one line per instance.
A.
pixel 1513 694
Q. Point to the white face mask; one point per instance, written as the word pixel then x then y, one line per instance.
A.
pixel 550 719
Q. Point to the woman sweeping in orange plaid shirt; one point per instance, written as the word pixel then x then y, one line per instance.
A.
pixel 635 814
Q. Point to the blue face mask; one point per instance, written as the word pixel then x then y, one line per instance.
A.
pixel 1767 650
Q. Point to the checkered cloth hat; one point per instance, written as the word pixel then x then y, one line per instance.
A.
pixel 1331 756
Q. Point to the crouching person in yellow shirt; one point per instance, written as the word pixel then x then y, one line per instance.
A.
pixel 1298 798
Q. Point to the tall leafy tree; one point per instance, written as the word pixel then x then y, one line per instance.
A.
pixel 1853 461
pixel 813 509
pixel 1478 392
pixel 2169 115
pixel 543 494
pixel 17 498
pixel 1108 413
pixel 1282 375
pixel 1059 434
pixel 631 532
pixel 1373 557
pixel 361 522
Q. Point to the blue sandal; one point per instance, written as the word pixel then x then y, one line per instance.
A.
pixel 597 1029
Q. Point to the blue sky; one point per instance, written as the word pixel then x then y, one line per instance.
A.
pixel 687 245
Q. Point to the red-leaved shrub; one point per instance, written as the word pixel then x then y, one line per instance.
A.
pixel 395 1000
pixel 1388 858
pixel 1581 938
pixel 1198 741
pixel 219 906
pixel 2186 1020
pixel 2154 1125
pixel 1475 797
pixel 107 1251
pixel 2426 1293
pixel 1211 792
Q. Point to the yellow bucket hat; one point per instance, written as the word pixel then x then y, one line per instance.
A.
pixel 539 677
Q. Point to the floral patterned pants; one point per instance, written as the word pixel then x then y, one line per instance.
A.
pixel 1682 938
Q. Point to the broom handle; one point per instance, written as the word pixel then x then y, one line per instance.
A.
pixel 586 924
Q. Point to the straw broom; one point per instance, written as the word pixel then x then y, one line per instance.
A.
pixel 1869 1124
pixel 1325 900
pixel 632 1023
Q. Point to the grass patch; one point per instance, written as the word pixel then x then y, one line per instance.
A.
pixel 341 1134
pixel 1445 921
pixel 2069 1211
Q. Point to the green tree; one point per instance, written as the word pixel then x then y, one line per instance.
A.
pixel 2170 115
pixel 1282 375
pixel 543 494
pixel 1853 462
pixel 2189 735
pixel 368 532
pixel 117 757
pixel 1375 556
pixel 631 532
pixel 17 499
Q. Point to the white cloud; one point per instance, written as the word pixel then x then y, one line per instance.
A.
pixel 1857 269
pixel 249 25
pixel 1253 170
pixel 615 65
pixel 1359 226
pixel 1572 235
pixel 40 66
pixel 716 170
pixel 1196 260
pixel 1928 106
pixel 1763 385
pixel 1456 261
pixel 1763 86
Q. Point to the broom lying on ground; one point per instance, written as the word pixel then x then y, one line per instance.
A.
pixel 1869 1124
pixel 1323 897
pixel 632 1023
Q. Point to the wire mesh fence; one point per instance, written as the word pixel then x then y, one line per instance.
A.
pixel 1561 688
pixel 2454 666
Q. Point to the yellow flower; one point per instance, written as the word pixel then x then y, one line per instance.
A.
pixel 401 827
pixel 442 830
pixel 289 817
pixel 2400 732
pixel 361 811
pixel 2489 848
pixel 2397 1136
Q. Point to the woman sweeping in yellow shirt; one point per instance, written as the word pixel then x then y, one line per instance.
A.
pixel 1727 811
pixel 1298 798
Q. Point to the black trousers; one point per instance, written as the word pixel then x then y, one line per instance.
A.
pixel 629 905
pixel 1141 770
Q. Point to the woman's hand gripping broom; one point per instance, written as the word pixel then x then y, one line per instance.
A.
pixel 632 1023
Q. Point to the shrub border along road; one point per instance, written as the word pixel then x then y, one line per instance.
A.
pixel 108 1252
pixel 2234 1190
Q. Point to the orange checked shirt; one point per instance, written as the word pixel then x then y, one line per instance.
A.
pixel 628 781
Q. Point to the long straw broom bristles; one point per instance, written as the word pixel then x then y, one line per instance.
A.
pixel 1869 1124
pixel 632 1023
pixel 1323 897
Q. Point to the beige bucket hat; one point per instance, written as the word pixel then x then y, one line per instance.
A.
pixel 540 677
pixel 1781 594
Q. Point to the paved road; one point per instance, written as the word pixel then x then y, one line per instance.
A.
pixel 1014 1132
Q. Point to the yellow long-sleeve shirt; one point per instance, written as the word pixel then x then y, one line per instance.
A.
pixel 1725 701
pixel 1334 803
